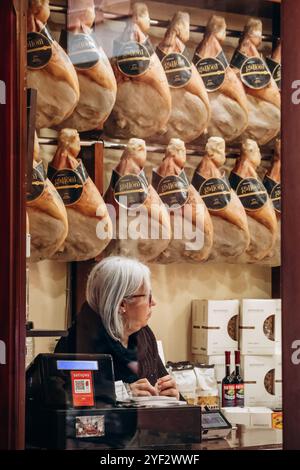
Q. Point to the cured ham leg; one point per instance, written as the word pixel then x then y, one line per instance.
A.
pixel 50 70
pixel 257 204
pixel 143 103
pixel 90 227
pixel 273 186
pixel 190 105
pixel 274 64
pixel 229 108
pixel 231 232
pixel 261 90
pixel 191 223
pixel 97 83
pixel 141 222
pixel 47 215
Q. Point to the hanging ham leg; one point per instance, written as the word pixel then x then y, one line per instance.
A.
pixel 231 232
pixel 262 92
pixel 141 222
pixel 190 105
pixel 229 108
pixel 257 204
pixel 46 211
pixel 274 64
pixel 143 102
pixel 90 228
pixel 272 184
pixel 191 223
pixel 97 82
pixel 50 70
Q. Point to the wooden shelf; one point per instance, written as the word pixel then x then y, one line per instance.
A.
pixel 45 333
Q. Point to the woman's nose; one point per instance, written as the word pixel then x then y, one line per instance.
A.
pixel 153 302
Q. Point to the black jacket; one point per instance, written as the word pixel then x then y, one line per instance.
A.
pixel 140 360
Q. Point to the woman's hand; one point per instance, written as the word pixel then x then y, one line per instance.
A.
pixel 166 386
pixel 142 388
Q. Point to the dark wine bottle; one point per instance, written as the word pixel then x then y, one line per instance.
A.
pixel 228 385
pixel 238 381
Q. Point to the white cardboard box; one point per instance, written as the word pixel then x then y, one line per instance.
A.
pixel 259 320
pixel 259 379
pixel 214 326
pixel 237 415
pixel 260 417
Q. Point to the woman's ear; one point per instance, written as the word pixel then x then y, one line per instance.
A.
pixel 122 308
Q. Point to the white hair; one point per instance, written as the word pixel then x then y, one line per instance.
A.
pixel 109 282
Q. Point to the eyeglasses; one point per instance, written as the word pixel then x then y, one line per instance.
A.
pixel 141 295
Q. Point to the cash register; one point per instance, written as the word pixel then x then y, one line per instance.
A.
pixel 71 404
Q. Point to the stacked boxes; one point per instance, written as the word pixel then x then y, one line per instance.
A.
pixel 214 330
pixel 260 345
pixel 215 327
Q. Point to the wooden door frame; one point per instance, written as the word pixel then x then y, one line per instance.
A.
pixel 291 224
pixel 12 233
pixel 12 244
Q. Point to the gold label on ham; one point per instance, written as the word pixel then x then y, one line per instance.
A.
pixel 133 59
pixel 39 49
pixel 172 189
pixel 130 191
pixel 177 68
pixel 251 191
pixel 215 192
pixel 81 49
pixel 253 70
pixel 274 191
pixel 37 183
pixel 275 69
pixel 69 182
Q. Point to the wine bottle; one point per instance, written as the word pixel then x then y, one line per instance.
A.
pixel 228 385
pixel 238 381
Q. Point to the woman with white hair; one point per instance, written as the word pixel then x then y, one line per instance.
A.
pixel 114 319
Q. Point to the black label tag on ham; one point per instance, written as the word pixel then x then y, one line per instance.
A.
pixel 172 189
pixel 215 192
pixel 212 70
pixel 37 183
pixel 250 191
pixel 68 182
pixel 177 67
pixel 39 49
pixel 130 191
pixel 275 69
pixel 133 58
pixel 274 191
pixel 81 49
pixel 253 71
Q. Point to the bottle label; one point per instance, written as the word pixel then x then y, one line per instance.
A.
pixel 39 49
pixel 177 67
pixel 215 192
pixel 133 58
pixel 274 191
pixel 253 71
pixel 239 392
pixel 172 189
pixel 130 190
pixel 69 182
pixel 228 394
pixel 275 69
pixel 212 70
pixel 250 191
